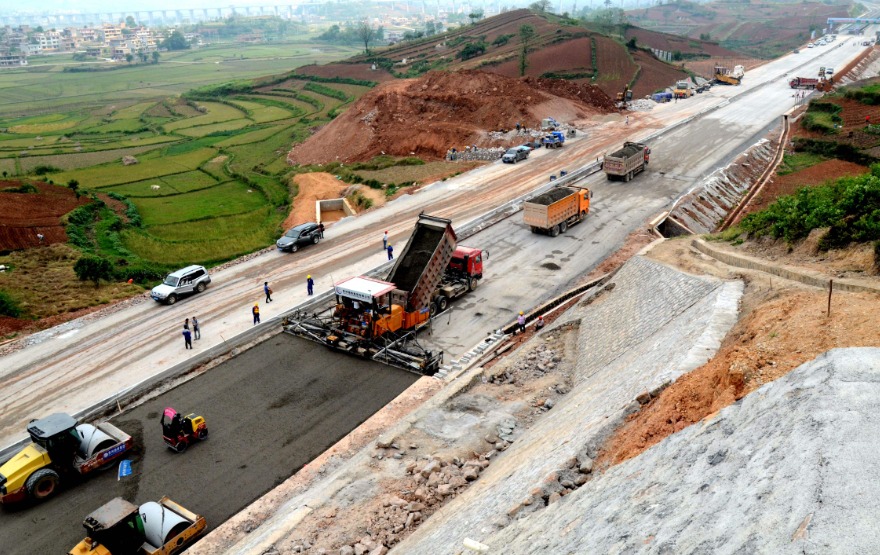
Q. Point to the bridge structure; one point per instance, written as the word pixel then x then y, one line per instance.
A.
pixel 832 21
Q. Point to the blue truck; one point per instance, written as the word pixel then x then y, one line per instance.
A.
pixel 554 139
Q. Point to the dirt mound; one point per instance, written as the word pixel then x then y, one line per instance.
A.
pixel 580 92
pixel 654 75
pixel 312 188
pixel 361 72
pixel 23 216
pixel 430 115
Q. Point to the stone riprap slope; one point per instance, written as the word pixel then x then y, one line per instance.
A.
pixel 647 326
pixel 791 469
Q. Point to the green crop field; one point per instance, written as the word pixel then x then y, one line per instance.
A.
pixel 113 174
pixel 203 130
pixel 216 113
pixel 168 185
pixel 223 200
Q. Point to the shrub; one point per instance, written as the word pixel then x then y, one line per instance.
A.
pixel 93 268
pixel 23 188
pixel 43 169
pixel 501 40
pixel 8 305
pixel 472 50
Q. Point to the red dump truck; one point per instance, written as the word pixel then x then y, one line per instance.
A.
pixel 379 319
pixel 803 83
pixel 627 161
pixel 556 210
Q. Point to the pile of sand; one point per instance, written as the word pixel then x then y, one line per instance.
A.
pixel 430 115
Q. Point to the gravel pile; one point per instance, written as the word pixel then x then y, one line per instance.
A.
pixel 486 154
pixel 641 105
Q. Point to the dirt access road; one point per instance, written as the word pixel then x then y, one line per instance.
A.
pixel 80 363
pixel 266 418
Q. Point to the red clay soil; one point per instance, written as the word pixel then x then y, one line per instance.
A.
pixel 812 176
pixel 853 115
pixel 654 75
pixel 361 72
pixel 427 116
pixel 775 338
pixel 616 69
pixel 574 56
pixel 579 92
pixel 671 43
pixel 25 215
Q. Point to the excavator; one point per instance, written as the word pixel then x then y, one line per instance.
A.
pixel 624 97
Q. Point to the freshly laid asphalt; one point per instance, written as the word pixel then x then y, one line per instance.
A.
pixel 269 411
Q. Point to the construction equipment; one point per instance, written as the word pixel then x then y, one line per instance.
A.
pixel 179 431
pixel 556 210
pixel 624 97
pixel 683 89
pixel 727 77
pixel 380 319
pixel 60 446
pixel 627 161
pixel 554 140
pixel 120 528
pixel 803 83
pixel 662 97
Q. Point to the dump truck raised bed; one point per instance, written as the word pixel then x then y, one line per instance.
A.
pixel 556 210
pixel 380 319
pixel 627 161
pixel 61 446
pixel 803 83
pixel 121 528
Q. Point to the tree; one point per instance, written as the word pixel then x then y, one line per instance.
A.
pixel 705 36
pixel 130 22
pixel 541 6
pixel 367 34
pixel 129 58
pixel 631 44
pixel 676 55
pixel 38 29
pixel 476 16
pixel 93 268
pixel 155 57
pixel 430 29
pixel 4 174
pixel 526 37
pixel 175 42
pixel 73 185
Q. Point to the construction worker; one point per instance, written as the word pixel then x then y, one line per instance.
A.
pixel 390 250
pixel 540 323
pixel 521 323
pixel 627 120
pixel 197 331
pixel 321 229
pixel 187 339
pixel 267 291
pixel 256 312
pixel 517 126
pixel 867 120
pixel 385 241
pixel 310 284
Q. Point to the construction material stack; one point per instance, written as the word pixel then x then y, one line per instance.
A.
pixel 379 319
pixel 556 210
pixel 627 161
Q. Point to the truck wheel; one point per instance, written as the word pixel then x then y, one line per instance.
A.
pixel 472 283
pixel 442 303
pixel 563 227
pixel 433 310
pixel 42 484
pixel 583 215
pixel 172 298
pixel 608 175
pixel 200 287
pixel 203 434
pixel 554 231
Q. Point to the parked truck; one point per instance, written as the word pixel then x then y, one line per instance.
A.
pixel 627 161
pixel 683 89
pixel 379 319
pixel 556 210
pixel 61 447
pixel 121 528
pixel 803 83
pixel 554 140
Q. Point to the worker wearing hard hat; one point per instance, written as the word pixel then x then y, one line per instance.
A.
pixel 310 283
pixel 521 322
pixel 256 313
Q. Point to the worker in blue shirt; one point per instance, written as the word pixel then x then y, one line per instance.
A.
pixel 310 283
pixel 390 252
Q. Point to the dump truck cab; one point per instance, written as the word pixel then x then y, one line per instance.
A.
pixel 467 261
pixel 121 528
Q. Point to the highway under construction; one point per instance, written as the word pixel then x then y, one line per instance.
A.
pixel 276 406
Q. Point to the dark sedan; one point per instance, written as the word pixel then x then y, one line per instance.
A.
pixel 299 236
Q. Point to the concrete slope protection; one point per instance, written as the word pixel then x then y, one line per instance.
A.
pixel 633 336
pixel 790 469
pixel 269 411
pixel 81 363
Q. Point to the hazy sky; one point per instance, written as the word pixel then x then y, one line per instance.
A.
pixel 90 6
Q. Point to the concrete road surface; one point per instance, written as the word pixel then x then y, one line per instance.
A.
pixel 269 411
pixel 75 365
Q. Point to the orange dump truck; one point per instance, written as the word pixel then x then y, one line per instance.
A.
pixel 556 210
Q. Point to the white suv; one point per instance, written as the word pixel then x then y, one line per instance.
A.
pixel 192 279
